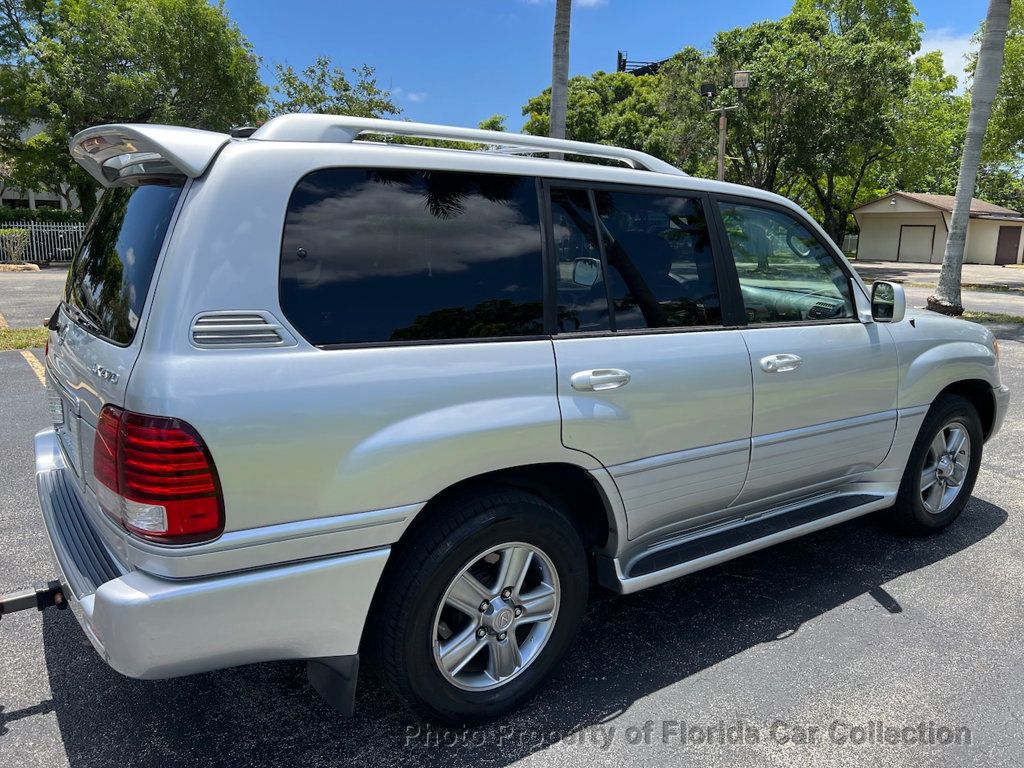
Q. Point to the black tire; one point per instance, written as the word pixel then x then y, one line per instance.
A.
pixel 910 515
pixel 421 571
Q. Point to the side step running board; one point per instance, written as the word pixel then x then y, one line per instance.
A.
pixel 707 549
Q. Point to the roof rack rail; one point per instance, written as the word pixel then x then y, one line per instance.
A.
pixel 344 128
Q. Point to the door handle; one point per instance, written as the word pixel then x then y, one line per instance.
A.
pixel 781 363
pixel 599 379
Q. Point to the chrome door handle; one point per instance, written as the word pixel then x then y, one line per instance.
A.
pixel 599 379
pixel 780 363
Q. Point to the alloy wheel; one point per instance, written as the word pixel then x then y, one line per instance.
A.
pixel 496 616
pixel 945 467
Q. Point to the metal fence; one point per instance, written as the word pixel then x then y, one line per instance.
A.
pixel 850 243
pixel 45 241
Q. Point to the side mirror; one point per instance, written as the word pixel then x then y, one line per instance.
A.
pixel 586 272
pixel 888 302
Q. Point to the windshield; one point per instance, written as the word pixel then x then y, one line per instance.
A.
pixel 111 273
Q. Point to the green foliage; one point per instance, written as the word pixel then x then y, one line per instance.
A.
pixel 494 123
pixel 1002 184
pixel 822 108
pixel 325 89
pixel 606 108
pixel 891 20
pixel 14 243
pixel 932 123
pixel 71 64
pixel 40 214
pixel 1005 136
pixel 823 112
pixel 22 338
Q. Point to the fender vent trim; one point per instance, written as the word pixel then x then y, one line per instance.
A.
pixel 238 329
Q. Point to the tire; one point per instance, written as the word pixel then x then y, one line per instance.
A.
pixel 924 505
pixel 424 614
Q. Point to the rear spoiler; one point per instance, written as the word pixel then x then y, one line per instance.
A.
pixel 112 153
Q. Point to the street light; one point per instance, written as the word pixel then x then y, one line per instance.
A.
pixel 740 83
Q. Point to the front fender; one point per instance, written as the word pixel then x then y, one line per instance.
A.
pixel 936 351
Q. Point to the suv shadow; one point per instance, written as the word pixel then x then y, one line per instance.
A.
pixel 629 647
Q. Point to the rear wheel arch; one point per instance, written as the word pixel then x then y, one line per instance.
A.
pixel 569 488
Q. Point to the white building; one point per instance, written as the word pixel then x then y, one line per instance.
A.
pixel 13 197
pixel 908 226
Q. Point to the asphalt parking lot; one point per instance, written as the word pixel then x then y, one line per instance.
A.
pixel 835 632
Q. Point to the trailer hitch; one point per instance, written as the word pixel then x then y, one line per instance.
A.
pixel 42 595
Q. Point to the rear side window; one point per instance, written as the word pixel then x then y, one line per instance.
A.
pixel 110 275
pixel 382 255
pixel 658 269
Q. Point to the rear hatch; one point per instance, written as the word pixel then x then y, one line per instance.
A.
pixel 97 334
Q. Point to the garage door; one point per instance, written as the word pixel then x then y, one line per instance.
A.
pixel 916 242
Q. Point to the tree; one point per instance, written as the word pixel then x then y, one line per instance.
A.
pixel 493 123
pixel 820 113
pixel 71 64
pixel 931 124
pixel 986 80
pixel 1005 136
pixel 560 69
pixel 325 89
pixel 855 83
pixel 605 108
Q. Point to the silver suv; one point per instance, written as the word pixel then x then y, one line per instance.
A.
pixel 317 394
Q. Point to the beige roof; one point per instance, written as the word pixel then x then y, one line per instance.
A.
pixel 945 203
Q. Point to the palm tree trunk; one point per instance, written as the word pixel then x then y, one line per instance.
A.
pixel 986 80
pixel 560 69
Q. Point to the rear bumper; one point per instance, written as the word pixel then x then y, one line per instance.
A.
pixel 150 627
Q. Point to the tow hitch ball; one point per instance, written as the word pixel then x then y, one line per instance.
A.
pixel 43 594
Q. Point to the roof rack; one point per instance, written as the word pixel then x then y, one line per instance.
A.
pixel 343 128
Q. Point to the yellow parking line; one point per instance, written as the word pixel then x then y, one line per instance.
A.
pixel 37 367
pixel 32 360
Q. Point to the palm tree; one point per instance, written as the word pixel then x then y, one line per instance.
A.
pixel 986 79
pixel 560 69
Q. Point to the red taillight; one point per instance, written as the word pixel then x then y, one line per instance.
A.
pixel 163 479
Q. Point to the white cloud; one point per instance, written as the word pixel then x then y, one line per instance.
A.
pixel 954 47
pixel 416 97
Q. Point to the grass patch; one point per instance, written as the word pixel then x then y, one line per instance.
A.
pixel 984 287
pixel 993 317
pixel 22 338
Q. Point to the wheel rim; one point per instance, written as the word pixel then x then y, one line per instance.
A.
pixel 496 616
pixel 945 467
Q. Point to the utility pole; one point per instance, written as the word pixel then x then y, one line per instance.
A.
pixel 740 82
pixel 723 126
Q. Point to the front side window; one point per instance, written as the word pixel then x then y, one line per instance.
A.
pixel 382 255
pixel 786 274
pixel 657 252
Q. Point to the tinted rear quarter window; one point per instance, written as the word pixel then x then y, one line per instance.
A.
pixel 112 271
pixel 381 255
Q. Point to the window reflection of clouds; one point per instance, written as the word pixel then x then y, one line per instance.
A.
pixel 385 230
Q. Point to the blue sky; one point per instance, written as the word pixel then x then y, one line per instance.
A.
pixel 458 62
